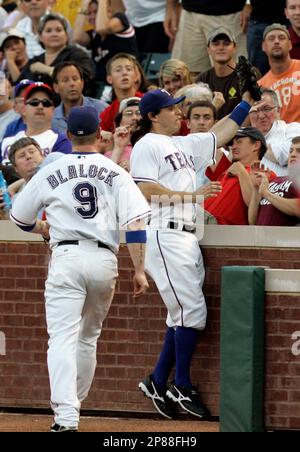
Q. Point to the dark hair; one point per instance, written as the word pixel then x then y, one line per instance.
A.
pixel 20 144
pixel 82 140
pixel 202 104
pixel 262 150
pixel 49 17
pixel 144 126
pixel 118 56
pixel 60 66
pixel 296 140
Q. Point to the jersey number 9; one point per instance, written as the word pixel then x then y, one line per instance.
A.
pixel 86 195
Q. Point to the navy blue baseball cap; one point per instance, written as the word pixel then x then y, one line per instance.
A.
pixel 83 121
pixel 154 101
pixel 22 84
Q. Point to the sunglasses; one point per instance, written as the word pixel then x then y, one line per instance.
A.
pixel 36 102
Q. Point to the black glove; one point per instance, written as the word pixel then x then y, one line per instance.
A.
pixel 247 77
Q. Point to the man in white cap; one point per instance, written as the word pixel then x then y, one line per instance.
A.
pixel 12 44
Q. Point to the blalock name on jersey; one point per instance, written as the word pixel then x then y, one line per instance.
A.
pixel 79 172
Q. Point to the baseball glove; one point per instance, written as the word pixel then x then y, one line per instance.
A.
pixel 247 77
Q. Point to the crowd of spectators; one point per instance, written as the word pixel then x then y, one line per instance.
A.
pixel 55 55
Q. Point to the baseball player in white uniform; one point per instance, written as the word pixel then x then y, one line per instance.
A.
pixel 164 166
pixel 86 196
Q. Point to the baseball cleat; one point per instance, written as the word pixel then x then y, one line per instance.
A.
pixel 157 395
pixel 188 399
pixel 61 428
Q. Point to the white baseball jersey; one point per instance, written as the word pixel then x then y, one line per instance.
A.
pixel 173 163
pixel 86 197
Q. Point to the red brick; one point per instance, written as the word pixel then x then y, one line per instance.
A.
pixel 38 248
pixel 3 247
pixel 25 260
pixel 25 308
pixel 36 272
pixel 25 284
pixel 247 254
pixel 40 332
pixel 25 333
pixel 7 259
pixel 288 327
pixel 17 248
pixel 117 323
pixel 14 272
pixel 294 422
pixel 40 284
pixel 43 260
pixel 291 255
pixel 34 296
pixel 13 320
pixel 227 252
pixel 277 396
pixel 11 369
pixel 267 254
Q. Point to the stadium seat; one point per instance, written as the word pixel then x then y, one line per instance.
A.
pixel 152 62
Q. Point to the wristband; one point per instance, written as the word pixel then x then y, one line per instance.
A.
pixel 240 113
pixel 136 236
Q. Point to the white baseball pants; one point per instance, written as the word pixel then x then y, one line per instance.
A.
pixel 79 291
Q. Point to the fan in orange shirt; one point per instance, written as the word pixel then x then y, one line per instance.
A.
pixel 284 75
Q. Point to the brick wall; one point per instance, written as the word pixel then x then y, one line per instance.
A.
pixel 133 333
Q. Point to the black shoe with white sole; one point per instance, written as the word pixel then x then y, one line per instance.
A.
pixel 62 428
pixel 188 399
pixel 158 397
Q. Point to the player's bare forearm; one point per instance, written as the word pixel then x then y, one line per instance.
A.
pixel 137 250
pixel 41 227
pixel 226 129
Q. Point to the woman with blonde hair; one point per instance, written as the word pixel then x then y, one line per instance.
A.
pixel 173 75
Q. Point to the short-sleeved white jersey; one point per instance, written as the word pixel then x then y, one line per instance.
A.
pixel 85 196
pixel 172 162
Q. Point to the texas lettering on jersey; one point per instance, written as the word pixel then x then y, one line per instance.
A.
pixel 179 160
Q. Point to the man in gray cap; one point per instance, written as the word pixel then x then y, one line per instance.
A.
pixel 283 76
pixel 221 77
pixel 191 22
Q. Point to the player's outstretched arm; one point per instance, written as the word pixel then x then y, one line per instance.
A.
pixel 136 242
pixel 226 129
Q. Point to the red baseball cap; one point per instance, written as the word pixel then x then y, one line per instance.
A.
pixel 38 86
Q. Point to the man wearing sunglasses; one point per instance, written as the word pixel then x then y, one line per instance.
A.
pixel 38 113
